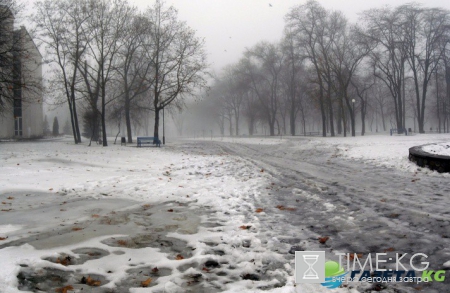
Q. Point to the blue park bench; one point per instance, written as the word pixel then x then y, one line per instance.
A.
pixel 401 130
pixel 148 140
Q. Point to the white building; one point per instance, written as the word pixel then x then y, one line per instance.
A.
pixel 21 114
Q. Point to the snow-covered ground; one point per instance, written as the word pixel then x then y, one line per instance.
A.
pixel 379 149
pixel 442 149
pixel 116 214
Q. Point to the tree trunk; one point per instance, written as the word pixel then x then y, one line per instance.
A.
pixel 236 121
pixel 75 116
pixel 251 125
pixel 292 119
pixel 363 117
pixel 104 135
pixel 330 111
pixel 128 119
pixel 271 126
pixel 156 128
pixel 72 120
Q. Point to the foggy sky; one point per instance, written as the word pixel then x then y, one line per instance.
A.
pixel 230 26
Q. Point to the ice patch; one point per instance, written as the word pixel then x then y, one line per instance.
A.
pixel 9 228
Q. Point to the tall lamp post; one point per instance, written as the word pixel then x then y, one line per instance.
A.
pixel 164 137
pixel 354 120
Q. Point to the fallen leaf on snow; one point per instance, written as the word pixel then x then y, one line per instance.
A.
pixel 146 282
pixel 91 282
pixel 64 289
pixel 245 227
pixel 283 208
pixel 179 257
pixel 122 242
pixel 259 210
pixel 65 261
pixel 323 240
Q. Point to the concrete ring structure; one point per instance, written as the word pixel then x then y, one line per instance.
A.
pixel 424 159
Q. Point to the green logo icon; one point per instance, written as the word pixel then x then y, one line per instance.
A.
pixel 334 274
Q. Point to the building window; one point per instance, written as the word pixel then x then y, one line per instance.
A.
pixel 18 126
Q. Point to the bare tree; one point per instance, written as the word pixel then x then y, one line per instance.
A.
pixel 383 27
pixel 362 86
pixel 308 23
pixel 347 53
pixel 262 66
pixel 424 30
pixel 293 79
pixel 59 28
pixel 132 66
pixel 177 58
pixel 104 29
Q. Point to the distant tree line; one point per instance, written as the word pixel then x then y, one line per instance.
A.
pixel 111 62
pixel 392 66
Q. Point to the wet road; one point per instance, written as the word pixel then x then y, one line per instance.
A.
pixel 362 208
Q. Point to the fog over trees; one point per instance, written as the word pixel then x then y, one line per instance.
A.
pixel 117 68
pixel 390 70
pixel 114 62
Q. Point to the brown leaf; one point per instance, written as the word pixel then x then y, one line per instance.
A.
pixel 262 170
pixel 122 242
pixel 10 198
pixel 205 269
pixel 179 257
pixel 92 282
pixel 3 238
pixel 51 189
pixel 76 229
pixel 283 208
pixel 95 216
pixel 259 210
pixel 65 262
pixel 146 282
pixel 323 240
pixel 245 227
pixel 64 289
pixel 155 270
pixel 170 211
